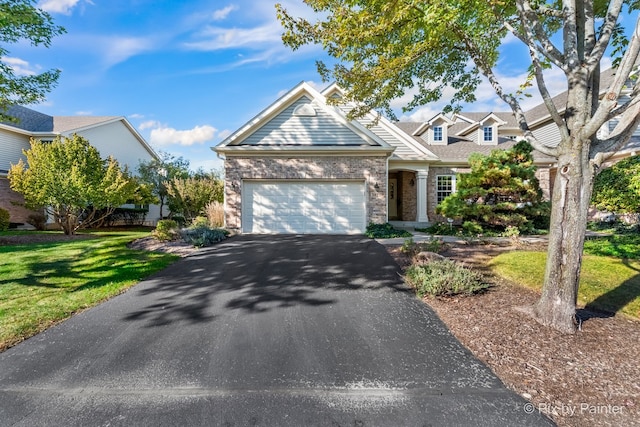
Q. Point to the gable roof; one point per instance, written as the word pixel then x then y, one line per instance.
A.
pixel 38 124
pixel 354 136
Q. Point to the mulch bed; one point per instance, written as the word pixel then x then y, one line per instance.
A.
pixel 590 378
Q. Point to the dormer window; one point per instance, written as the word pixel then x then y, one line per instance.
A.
pixel 487 133
pixel 437 133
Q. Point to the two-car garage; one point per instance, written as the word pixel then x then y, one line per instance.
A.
pixel 304 207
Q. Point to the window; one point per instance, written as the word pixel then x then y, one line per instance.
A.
pixel 445 186
pixel 487 131
pixel 437 133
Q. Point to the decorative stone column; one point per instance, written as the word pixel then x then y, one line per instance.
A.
pixel 421 190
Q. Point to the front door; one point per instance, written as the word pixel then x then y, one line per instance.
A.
pixel 393 198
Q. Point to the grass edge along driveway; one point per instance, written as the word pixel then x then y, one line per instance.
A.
pixel 44 283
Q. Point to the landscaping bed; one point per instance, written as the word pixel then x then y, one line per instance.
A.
pixel 590 378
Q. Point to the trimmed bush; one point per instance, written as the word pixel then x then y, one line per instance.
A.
pixel 4 219
pixel 166 230
pixel 384 231
pixel 203 236
pixel 38 220
pixel 199 221
pixel 444 278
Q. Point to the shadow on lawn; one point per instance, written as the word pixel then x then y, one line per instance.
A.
pixel 257 274
pixel 617 298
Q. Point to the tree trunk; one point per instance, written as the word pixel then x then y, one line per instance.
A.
pixel 570 205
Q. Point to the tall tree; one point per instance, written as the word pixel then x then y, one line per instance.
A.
pixel 21 20
pixel 158 173
pixel 385 49
pixel 69 179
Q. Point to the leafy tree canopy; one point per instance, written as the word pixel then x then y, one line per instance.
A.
pixel 21 20
pixel 617 189
pixel 69 179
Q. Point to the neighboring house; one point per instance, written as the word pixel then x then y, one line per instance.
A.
pixel 300 166
pixel 111 135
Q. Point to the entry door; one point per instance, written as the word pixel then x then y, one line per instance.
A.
pixel 393 198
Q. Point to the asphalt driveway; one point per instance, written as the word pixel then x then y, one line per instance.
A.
pixel 313 330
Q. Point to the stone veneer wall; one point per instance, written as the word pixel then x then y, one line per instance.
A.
pixel 17 214
pixel 409 199
pixel 371 169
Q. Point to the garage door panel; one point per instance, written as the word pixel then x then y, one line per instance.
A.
pixel 304 207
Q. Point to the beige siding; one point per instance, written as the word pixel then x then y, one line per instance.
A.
pixel 547 134
pixel 11 146
pixel 115 139
pixel 289 129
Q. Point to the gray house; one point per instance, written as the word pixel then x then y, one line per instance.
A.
pixel 300 166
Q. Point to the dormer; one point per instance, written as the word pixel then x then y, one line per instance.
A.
pixel 435 131
pixel 487 133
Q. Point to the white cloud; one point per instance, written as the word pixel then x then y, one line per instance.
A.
pixel 222 14
pixel 136 116
pixel 59 6
pixel 19 66
pixel 119 49
pixel 150 124
pixel 84 113
pixel 162 135
pixel 224 134
pixel 218 38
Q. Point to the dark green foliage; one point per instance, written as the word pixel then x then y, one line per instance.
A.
pixel 384 231
pixel 4 219
pixel 444 278
pixel 166 230
pixel 38 220
pixel 617 189
pixel 500 191
pixel 203 236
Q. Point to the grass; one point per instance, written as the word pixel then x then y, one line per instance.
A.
pixel 606 283
pixel 44 283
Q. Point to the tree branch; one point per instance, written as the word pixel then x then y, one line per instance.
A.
pixel 595 55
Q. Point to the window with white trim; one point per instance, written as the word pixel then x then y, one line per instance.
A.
pixel 445 186
pixel 437 133
pixel 487 133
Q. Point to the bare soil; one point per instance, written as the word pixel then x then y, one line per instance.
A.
pixel 590 378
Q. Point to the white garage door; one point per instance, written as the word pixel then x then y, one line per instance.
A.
pixel 303 207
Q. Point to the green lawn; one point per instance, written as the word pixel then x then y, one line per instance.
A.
pixel 43 283
pixel 606 283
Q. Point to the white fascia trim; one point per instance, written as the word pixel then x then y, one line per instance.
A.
pixel 495 118
pixel 402 136
pixel 15 129
pixel 271 111
pixel 303 150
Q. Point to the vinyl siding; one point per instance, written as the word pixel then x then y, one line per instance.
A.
pixel 11 146
pixel 288 129
pixel 402 151
pixel 115 139
pixel 547 134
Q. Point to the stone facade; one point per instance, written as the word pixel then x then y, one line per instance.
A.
pixel 409 197
pixel 8 199
pixel 370 169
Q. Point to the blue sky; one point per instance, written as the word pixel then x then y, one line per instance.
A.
pixel 187 73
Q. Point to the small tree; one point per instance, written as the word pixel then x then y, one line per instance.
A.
pixel 158 173
pixel 500 191
pixel 72 181
pixel 617 189
pixel 190 196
